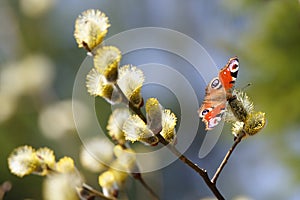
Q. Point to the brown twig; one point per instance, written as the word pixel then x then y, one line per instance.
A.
pixel 4 188
pixel 200 171
pixel 138 177
pixel 237 140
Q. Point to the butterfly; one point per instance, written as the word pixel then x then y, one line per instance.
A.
pixel 217 93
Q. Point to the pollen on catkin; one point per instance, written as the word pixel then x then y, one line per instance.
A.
pixel 154 115
pixel 46 160
pixel 106 62
pixel 255 122
pixel 240 106
pixel 108 183
pixel 23 161
pixel 242 115
pixel 131 80
pixel 90 29
pixel 65 165
pixel 136 129
pixel 168 125
pixel 97 85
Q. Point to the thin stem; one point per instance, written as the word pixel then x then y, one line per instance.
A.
pixel 142 181
pixel 4 188
pixel 200 171
pixel 227 156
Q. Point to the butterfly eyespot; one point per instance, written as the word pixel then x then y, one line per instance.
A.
pixel 214 122
pixel 234 66
pixel 205 111
pixel 215 83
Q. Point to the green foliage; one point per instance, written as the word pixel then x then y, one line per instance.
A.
pixel 271 51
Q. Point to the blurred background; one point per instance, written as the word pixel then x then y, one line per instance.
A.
pixel 39 59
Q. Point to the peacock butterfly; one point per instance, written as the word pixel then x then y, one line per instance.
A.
pixel 218 92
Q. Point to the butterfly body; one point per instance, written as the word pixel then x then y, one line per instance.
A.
pixel 218 92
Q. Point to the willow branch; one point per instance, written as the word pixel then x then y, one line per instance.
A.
pixel 138 177
pixel 227 156
pixel 200 171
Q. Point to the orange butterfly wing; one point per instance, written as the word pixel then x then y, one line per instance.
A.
pixel 228 74
pixel 217 93
pixel 214 104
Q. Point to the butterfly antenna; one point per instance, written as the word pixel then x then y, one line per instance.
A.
pixel 249 84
